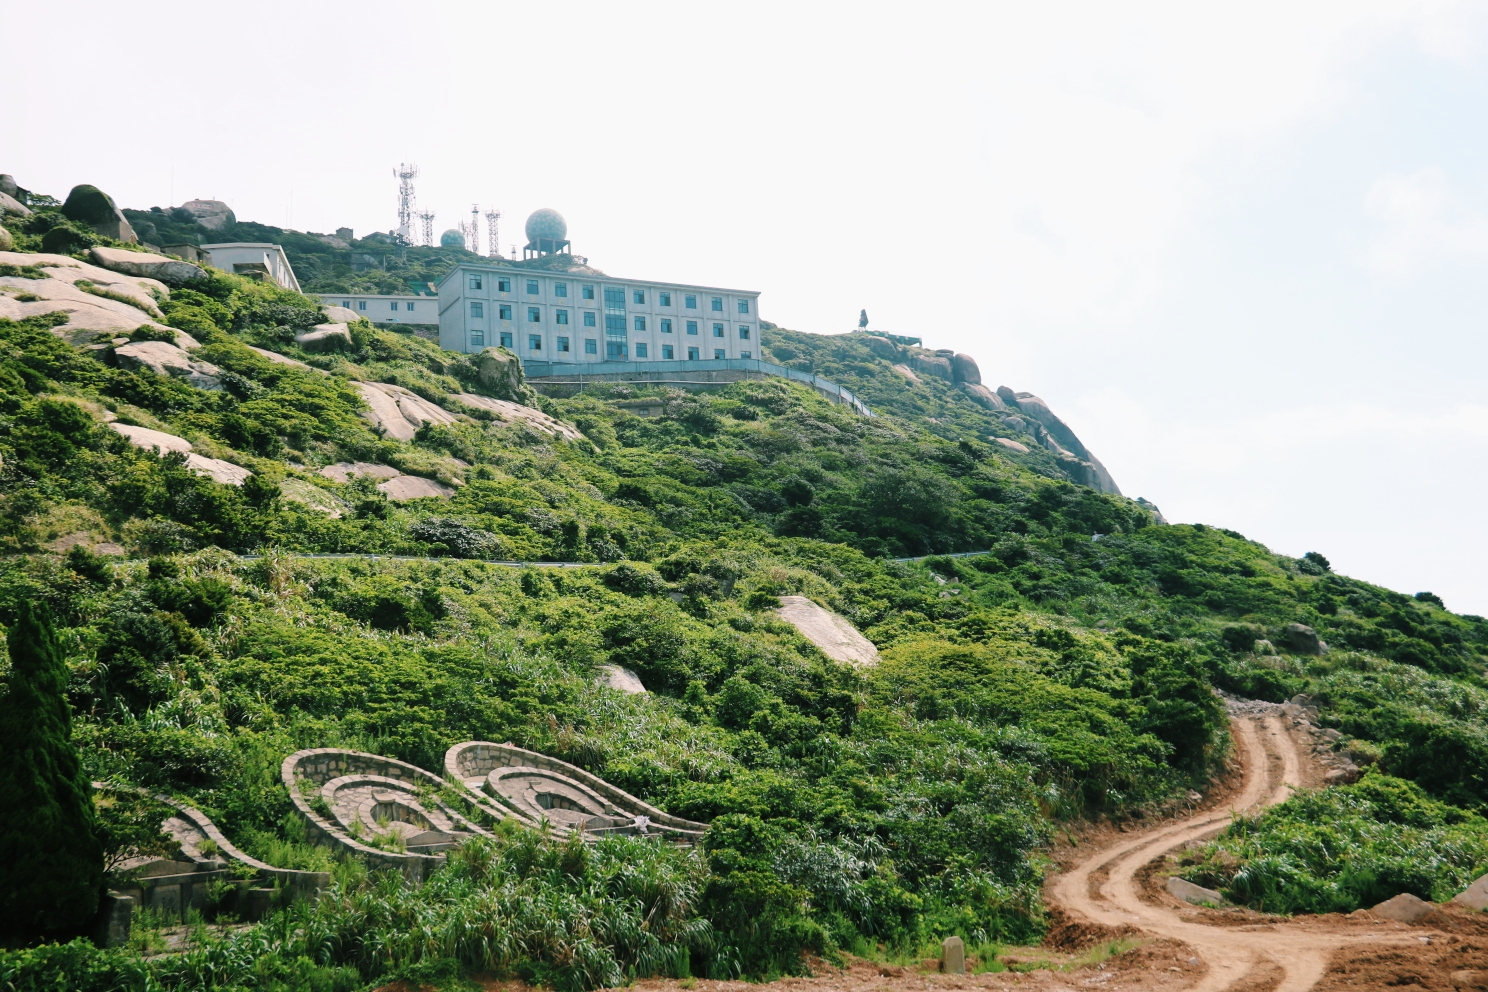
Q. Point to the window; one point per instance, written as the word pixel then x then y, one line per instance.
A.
pixel 591 347
pixel 409 307
pixel 614 314
pixel 560 289
pixel 477 309
pixel 743 332
pixel 690 302
pixel 587 292
pixel 692 327
pixel 718 330
pixel 717 303
pixel 638 295
pixel 560 316
pixel 563 344
pixel 640 323
pixel 504 312
pixel 665 299
pixel 503 285
pixel 718 353
pixel 531 287
pixel 640 349
pixel 666 352
pixel 361 304
pixel 475 281
pixel 692 354
pixel 534 315
pixel 666 325
pixel 477 339
pixel 534 342
pixel 589 318
pixel 743 306
pixel 346 304
pixel 394 304
pixel 506 339
pixel 746 354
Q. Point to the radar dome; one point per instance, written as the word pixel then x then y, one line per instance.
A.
pixel 546 225
pixel 452 239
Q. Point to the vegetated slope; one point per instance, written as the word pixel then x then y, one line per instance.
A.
pixel 1059 675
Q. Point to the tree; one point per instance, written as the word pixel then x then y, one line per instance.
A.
pixel 51 858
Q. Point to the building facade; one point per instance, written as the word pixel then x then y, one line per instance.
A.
pixel 386 309
pixel 550 316
pixel 248 258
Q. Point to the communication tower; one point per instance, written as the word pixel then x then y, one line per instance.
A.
pixel 427 216
pixel 493 239
pixel 406 174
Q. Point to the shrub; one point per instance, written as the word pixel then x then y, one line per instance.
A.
pixel 88 205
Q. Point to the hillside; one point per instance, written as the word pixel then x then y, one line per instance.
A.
pixel 1066 674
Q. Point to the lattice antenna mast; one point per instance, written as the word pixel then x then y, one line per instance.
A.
pixel 406 174
pixel 493 238
pixel 427 216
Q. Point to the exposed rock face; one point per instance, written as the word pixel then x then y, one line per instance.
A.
pixel 214 215
pixel 501 375
pixel 340 315
pixel 936 365
pixel 323 337
pixel 908 373
pixel 129 305
pixel 146 265
pixel 306 494
pixel 1302 639
pixel 1055 435
pixel 1011 445
pixel 10 205
pixel 346 471
pixel 161 442
pixel 964 369
pixel 1189 892
pixel 982 395
pixel 406 487
pixel 881 347
pixel 516 413
pixel 1157 517
pixel 622 679
pixel 166 359
pixel 274 356
pixel 92 206
pixel 399 412
pixel 837 638
pixel 6 241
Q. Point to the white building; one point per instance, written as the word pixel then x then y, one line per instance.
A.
pixel 386 309
pixel 547 315
pixel 246 258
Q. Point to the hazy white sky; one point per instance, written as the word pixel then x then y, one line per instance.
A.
pixel 1240 249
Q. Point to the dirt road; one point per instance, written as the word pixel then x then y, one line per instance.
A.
pixel 1289 956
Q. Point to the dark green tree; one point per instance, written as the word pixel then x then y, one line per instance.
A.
pixel 51 858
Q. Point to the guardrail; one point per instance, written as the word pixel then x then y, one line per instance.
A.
pixel 582 373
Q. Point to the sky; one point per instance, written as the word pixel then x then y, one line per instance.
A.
pixel 1240 249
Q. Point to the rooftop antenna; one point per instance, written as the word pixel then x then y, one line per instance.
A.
pixel 406 174
pixel 493 240
pixel 514 253
pixel 427 216
pixel 472 241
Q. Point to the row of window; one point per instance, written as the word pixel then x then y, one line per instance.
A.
pixel 586 291
pixel 591 347
pixel 362 304
pixel 534 316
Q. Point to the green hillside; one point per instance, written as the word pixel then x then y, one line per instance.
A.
pixel 1066 673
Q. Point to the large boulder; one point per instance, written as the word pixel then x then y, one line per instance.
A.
pixel 214 215
pixel 167 359
pixel 500 374
pixel 92 206
pixel 146 264
pixel 160 442
pixel 1405 908
pixel 323 337
pixel 406 487
pixel 1083 466
pixel 398 412
pixel 1011 445
pixel 117 304
pixel 881 347
pixel 964 369
pixel 6 241
pixel 936 365
pixel 982 395
pixel 835 635
pixel 1196 894
pixel 1302 639
pixel 1475 896
pixel 340 315
pixel 10 205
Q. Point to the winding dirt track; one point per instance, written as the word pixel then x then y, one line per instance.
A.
pixel 1105 888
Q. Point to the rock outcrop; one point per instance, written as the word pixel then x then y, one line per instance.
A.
pixel 340 315
pixel 161 443
pixel 834 634
pixel 622 679
pixel 10 205
pixel 1302 639
pixel 398 412
pixel 6 241
pixel 214 215
pixel 405 487
pixel 1196 894
pixel 308 494
pixel 982 395
pixel 92 206
pixel 517 413
pixel 146 265
pixel 128 305
pixel 1405 908
pixel 277 358
pixel 1055 434
pixel 167 359
pixel 964 369
pixel 1011 445
pixel 323 337
pixel 1475 896
pixel 501 376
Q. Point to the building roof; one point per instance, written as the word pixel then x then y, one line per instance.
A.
pixel 520 271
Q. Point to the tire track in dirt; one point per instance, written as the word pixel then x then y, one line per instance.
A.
pixel 1104 888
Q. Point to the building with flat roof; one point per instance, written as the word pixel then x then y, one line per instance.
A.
pixel 551 307
pixel 253 259
pixel 387 308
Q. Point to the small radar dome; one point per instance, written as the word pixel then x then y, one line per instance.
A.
pixel 452 239
pixel 546 225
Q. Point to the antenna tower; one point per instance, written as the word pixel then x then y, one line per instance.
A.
pixel 427 216
pixel 493 241
pixel 406 174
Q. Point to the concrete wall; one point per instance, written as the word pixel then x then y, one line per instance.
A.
pixel 229 254
pixel 387 309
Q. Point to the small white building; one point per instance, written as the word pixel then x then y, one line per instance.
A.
pixel 550 315
pixel 387 309
pixel 246 258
